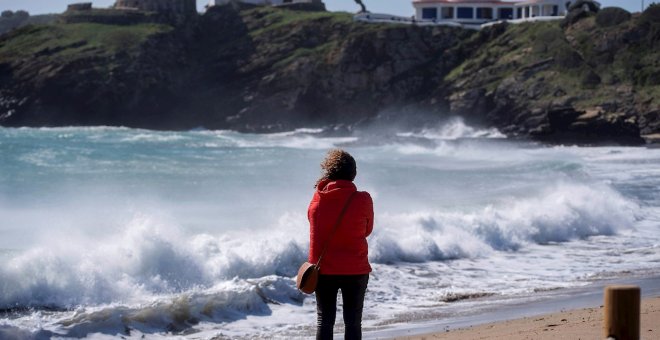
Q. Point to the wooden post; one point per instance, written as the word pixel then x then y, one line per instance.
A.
pixel 622 313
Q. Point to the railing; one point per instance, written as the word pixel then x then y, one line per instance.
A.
pixel 395 19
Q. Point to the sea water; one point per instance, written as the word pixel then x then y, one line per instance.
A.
pixel 198 234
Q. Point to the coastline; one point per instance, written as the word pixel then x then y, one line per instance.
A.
pixel 532 314
pixel 583 323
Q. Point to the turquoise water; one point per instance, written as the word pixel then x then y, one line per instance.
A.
pixel 198 233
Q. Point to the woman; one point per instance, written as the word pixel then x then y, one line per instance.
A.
pixel 345 264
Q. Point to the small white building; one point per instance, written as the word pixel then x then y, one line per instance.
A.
pixel 477 12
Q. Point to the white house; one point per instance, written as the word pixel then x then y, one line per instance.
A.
pixel 477 12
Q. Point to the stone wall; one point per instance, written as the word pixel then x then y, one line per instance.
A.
pixel 109 16
pixel 311 6
pixel 160 6
pixel 85 6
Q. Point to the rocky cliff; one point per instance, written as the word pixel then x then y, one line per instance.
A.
pixel 268 69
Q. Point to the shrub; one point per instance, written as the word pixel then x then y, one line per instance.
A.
pixel 566 57
pixel 574 16
pixel 22 15
pixel 612 16
pixel 592 6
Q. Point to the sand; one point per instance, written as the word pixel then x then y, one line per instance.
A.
pixel 584 323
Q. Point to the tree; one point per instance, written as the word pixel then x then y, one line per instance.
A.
pixel 362 6
pixel 7 14
pixel 592 6
pixel 21 15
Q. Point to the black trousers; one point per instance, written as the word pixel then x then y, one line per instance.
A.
pixel 353 288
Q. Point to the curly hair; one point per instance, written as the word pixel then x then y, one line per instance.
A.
pixel 338 164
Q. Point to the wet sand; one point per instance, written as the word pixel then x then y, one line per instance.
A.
pixel 584 323
pixel 563 314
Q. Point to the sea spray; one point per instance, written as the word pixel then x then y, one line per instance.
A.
pixel 150 257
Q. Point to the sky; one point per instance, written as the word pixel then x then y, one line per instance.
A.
pixel 399 7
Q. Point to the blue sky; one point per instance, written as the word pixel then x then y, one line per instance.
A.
pixel 402 7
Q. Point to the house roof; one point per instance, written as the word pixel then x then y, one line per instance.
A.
pixel 494 2
pixel 490 2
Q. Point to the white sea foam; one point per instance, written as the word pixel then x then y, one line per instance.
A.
pixel 562 213
pixel 299 139
pixel 151 257
pixel 147 258
pixel 454 129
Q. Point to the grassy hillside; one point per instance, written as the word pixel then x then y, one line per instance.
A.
pixel 71 41
pixel 266 69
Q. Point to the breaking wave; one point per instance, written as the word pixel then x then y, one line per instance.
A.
pixel 150 258
pixel 454 129
pixel 562 213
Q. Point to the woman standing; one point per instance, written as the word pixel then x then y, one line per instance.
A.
pixel 345 265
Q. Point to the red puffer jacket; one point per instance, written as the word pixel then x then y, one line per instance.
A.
pixel 347 251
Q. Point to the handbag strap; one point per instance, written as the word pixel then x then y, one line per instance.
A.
pixel 334 229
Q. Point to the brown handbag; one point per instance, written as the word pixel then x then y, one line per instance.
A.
pixel 308 274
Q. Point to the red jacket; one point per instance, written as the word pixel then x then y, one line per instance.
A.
pixel 347 251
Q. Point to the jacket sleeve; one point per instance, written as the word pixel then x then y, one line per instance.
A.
pixel 313 237
pixel 369 210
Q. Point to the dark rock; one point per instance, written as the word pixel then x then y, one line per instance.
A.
pixel 590 79
pixel 567 57
pixel 559 92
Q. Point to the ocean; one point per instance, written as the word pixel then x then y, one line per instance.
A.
pixel 199 234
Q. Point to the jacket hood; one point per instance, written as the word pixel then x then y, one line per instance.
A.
pixel 328 187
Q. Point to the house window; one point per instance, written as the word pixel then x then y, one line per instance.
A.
pixel 555 11
pixel 506 13
pixel 484 13
pixel 447 12
pixel 520 13
pixel 465 13
pixel 430 13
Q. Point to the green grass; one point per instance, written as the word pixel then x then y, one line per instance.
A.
pixel 271 19
pixel 317 52
pixel 76 40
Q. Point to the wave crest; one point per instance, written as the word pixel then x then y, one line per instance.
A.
pixel 559 214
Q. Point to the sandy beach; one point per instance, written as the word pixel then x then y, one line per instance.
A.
pixel 583 323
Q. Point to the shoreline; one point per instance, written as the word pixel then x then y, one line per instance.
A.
pixel 522 312
pixel 585 323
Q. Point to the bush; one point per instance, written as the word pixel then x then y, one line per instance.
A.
pixel 566 57
pixel 574 16
pixel 612 16
pixel 580 4
pixel 651 14
pixel 22 15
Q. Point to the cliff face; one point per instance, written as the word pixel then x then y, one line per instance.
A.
pixel 598 79
pixel 268 69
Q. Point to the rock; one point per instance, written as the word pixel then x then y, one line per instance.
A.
pixel 652 138
pixel 467 102
pixel 591 79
